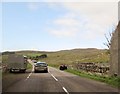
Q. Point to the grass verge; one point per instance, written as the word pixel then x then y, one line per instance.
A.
pixel 53 65
pixel 113 81
pixel 29 66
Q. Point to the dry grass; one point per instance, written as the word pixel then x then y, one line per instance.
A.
pixel 70 56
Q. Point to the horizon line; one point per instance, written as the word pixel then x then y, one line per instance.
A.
pixel 48 50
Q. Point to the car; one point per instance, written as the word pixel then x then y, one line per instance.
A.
pixel 63 67
pixel 34 61
pixel 41 67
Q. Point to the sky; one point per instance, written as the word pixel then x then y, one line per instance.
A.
pixel 53 26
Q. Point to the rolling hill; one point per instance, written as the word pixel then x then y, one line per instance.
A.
pixel 71 56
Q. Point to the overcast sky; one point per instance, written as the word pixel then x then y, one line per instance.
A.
pixel 49 26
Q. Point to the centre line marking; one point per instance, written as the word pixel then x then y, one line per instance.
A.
pixel 29 75
pixel 54 77
pixel 65 90
pixel 31 71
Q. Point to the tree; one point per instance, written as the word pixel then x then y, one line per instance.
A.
pixel 108 40
pixel 108 37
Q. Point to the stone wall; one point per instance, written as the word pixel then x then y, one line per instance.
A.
pixel 114 50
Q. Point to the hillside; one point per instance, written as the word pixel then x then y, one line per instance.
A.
pixel 71 56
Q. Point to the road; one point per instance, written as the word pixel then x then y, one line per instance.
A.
pixel 56 81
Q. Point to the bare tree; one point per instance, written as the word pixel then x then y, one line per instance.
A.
pixel 108 39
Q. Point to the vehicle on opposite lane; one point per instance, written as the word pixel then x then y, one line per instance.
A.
pixel 34 61
pixel 41 67
pixel 63 67
pixel 17 63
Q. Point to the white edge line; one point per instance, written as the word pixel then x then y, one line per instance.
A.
pixel 65 90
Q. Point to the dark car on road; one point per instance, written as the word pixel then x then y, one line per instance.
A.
pixel 63 67
pixel 41 67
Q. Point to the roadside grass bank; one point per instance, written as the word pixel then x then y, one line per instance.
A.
pixel 29 66
pixel 113 81
pixel 53 65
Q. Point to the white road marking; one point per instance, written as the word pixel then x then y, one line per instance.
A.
pixel 53 77
pixel 65 90
pixel 28 76
pixel 31 70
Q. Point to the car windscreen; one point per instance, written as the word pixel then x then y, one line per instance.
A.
pixel 41 64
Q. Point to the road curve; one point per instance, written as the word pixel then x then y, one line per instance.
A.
pixel 56 81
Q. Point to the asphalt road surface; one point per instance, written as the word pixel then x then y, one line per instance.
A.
pixel 56 81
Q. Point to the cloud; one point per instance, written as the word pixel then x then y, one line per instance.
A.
pixel 66 22
pixel 92 32
pixel 63 0
pixel 64 32
pixel 65 26
pixel 75 26
pixel 88 20
pixel 100 13
pixel 33 6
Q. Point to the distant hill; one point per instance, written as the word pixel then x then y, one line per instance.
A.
pixel 7 53
pixel 71 56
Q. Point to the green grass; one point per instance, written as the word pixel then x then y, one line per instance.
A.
pixel 71 56
pixel 4 58
pixel 53 65
pixel 29 66
pixel 113 81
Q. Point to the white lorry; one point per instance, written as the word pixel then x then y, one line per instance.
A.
pixel 17 63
